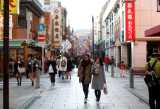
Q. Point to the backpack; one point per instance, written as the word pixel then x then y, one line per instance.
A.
pixel 150 78
pixel 63 63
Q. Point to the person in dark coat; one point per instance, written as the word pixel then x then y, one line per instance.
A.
pixel 84 73
pixel 52 70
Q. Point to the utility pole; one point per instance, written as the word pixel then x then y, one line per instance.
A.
pixel 93 37
pixel 6 55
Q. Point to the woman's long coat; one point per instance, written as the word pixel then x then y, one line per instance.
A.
pixel 99 80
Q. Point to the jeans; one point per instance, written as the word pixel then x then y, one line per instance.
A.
pixel 154 97
pixel 85 89
pixel 98 94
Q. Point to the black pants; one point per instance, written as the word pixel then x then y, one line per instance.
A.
pixel 98 94
pixel 85 89
pixel 154 97
pixel 52 77
pixel 19 79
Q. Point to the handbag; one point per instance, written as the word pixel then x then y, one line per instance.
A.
pixel 105 91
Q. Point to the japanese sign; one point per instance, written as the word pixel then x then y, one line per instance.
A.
pixel 13 6
pixel 130 20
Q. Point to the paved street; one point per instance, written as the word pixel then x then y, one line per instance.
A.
pixel 68 95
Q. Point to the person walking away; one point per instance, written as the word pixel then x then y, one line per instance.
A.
pixel 98 80
pixel 18 65
pixel 63 66
pixel 122 68
pixel 153 68
pixel 69 68
pixel 52 70
pixel 36 73
pixel 84 74
pixel 112 66
pixel 30 70
pixel 106 61
pixel 58 65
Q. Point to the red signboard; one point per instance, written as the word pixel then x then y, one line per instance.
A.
pixel 130 20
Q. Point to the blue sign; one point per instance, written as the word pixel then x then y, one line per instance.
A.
pixel 41 27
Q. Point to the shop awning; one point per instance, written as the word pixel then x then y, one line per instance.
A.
pixel 155 31
pixel 13 43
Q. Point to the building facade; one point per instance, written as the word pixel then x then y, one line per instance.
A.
pixel 126 22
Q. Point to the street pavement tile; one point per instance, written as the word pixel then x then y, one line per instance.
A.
pixel 68 94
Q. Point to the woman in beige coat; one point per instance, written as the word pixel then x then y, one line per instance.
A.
pixel 98 79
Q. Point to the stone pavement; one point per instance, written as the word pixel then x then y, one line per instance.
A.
pixel 68 95
pixel 22 96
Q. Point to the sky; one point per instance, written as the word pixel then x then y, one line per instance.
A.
pixel 80 12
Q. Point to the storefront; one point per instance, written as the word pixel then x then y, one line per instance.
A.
pixel 153 47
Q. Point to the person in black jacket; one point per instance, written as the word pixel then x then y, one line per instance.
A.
pixel 52 69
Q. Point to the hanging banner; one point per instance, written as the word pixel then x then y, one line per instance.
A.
pixel 13 6
pixel 130 20
pixel 41 33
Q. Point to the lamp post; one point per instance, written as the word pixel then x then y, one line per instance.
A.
pixel 6 55
pixel 93 37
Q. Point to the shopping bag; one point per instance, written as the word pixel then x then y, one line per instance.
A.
pixel 105 91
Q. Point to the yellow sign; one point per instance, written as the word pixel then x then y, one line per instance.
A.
pixel 1 4
pixel 13 6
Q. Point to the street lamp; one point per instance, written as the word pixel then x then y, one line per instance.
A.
pixel 6 55
pixel 93 37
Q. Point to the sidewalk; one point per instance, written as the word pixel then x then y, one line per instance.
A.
pixel 140 89
pixel 22 96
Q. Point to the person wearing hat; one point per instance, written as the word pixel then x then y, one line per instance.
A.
pixel 153 65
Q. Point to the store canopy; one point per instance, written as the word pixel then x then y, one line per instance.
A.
pixel 13 43
pixel 155 31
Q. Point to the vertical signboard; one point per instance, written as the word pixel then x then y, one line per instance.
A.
pixel 57 28
pixel 130 20
pixel 13 6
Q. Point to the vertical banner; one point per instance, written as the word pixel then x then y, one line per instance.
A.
pixel 130 20
pixel 13 6
pixel 41 33
pixel 1 4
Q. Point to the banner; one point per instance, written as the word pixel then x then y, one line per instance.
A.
pixel 13 6
pixel 130 20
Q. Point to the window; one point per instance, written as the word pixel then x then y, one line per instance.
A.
pixel 158 5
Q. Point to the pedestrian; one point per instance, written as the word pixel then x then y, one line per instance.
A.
pixel 58 65
pixel 17 67
pixel 36 73
pixel 106 61
pixel 152 80
pixel 52 70
pixel 30 69
pixel 84 74
pixel 63 66
pixel 122 68
pixel 112 63
pixel 98 80
pixel 69 68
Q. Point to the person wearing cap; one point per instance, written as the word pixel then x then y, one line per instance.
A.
pixel 84 74
pixel 154 91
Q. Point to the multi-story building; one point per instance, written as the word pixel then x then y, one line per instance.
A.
pixel 24 34
pixel 130 26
